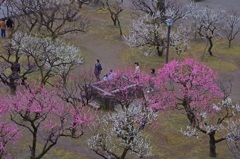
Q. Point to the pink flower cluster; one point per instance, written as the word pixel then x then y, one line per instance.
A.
pixel 188 81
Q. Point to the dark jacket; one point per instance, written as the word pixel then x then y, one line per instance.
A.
pixel 9 23
pixel 97 69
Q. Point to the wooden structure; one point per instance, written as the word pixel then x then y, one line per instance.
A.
pixel 107 91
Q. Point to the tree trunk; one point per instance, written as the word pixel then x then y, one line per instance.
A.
pixel 119 26
pixel 212 143
pixel 114 19
pixel 74 130
pixel 161 6
pixel 13 88
pixel 159 51
pixel 13 77
pixel 229 43
pixel 124 153
pixel 1 154
pixel 190 113
pixel 13 82
pixel 191 116
pixel 210 46
pixel 34 145
pixel 96 2
pixel 80 4
pixel 64 80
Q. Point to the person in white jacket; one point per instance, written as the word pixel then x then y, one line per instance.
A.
pixel 137 68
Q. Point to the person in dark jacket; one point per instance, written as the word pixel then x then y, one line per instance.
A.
pixel 9 24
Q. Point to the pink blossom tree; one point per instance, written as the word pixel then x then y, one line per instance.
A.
pixel 9 134
pixel 192 86
pixel 41 111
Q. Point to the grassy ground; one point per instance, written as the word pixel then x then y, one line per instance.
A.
pixel 224 59
pixel 169 143
pixel 103 41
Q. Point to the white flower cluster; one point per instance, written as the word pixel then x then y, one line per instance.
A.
pixel 46 52
pixel 214 120
pixel 206 19
pixel 228 104
pixel 123 130
pixel 203 114
pixel 233 137
pixel 180 38
pixel 149 32
pixel 145 31
pixel 233 128
pixel 189 132
pixel 216 108
pixel 211 128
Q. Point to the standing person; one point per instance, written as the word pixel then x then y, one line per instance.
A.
pixel 137 68
pixel 3 28
pixel 9 24
pixel 97 69
pixel 153 73
pixel 151 82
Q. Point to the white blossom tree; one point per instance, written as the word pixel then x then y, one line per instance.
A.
pixel 49 58
pixel 149 33
pixel 230 25
pixel 207 23
pixel 233 137
pixel 166 9
pixel 118 133
pixel 212 122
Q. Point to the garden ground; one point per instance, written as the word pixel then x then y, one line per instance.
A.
pixel 103 42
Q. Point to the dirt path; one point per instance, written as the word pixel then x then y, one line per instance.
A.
pixel 102 41
pixel 97 47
